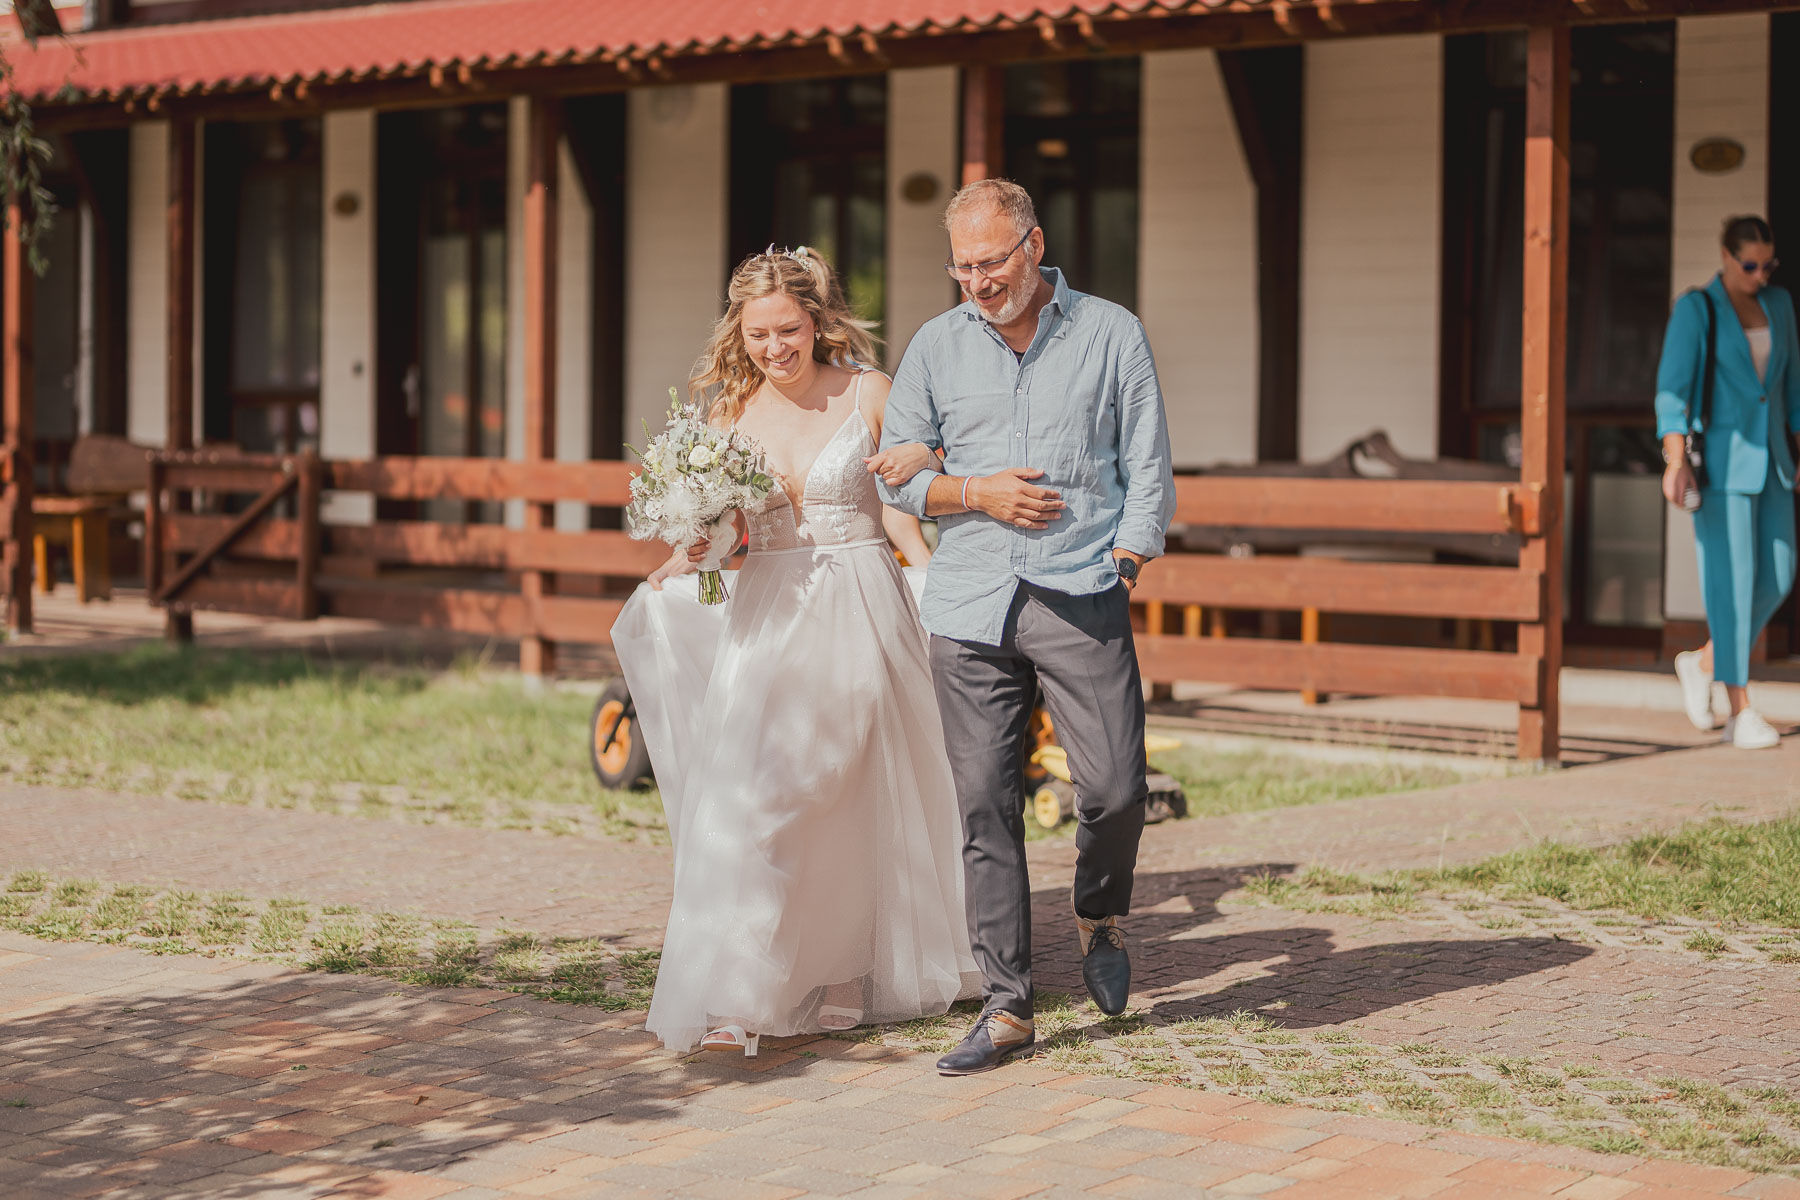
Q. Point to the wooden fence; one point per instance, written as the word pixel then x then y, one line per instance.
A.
pixel 471 578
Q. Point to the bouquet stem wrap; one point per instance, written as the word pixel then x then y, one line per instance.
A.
pixel 723 535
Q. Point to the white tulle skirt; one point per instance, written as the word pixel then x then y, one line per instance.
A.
pixel 796 742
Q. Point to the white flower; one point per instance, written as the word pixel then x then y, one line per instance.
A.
pixel 702 457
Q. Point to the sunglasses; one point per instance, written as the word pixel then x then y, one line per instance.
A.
pixel 1754 268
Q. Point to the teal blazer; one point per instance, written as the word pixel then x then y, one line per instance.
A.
pixel 1746 410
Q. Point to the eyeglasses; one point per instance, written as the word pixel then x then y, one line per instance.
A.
pixel 968 271
pixel 1755 268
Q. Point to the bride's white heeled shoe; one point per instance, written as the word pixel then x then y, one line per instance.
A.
pixel 834 1018
pixel 731 1037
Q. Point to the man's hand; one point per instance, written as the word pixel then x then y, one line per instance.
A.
pixel 1010 496
pixel 1140 560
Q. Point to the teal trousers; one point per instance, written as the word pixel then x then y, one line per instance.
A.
pixel 1746 551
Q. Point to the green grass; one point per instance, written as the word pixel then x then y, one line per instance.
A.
pixel 376 739
pixel 1218 783
pixel 333 938
pixel 1714 871
pixel 290 731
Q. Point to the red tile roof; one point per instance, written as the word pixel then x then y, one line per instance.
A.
pixel 397 39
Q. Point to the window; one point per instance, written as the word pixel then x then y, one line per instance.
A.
pixel 809 168
pixel 1072 142
pixel 263 268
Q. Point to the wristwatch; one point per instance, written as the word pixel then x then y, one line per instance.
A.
pixel 1127 568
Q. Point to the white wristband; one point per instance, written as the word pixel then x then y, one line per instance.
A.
pixel 965 492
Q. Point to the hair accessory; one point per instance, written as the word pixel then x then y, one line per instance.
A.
pixel 798 253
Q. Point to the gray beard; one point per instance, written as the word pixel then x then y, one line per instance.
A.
pixel 1015 305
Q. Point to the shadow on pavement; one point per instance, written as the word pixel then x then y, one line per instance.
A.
pixel 248 1088
pixel 1296 975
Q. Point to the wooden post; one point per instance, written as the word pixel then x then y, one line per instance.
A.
pixel 17 417
pixel 1312 625
pixel 537 654
pixel 183 185
pixel 1266 88
pixel 1545 354
pixel 983 121
pixel 307 497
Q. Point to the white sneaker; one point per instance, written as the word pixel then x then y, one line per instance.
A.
pixel 1748 731
pixel 1696 689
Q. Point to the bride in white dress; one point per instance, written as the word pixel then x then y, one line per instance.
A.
pixel 793 729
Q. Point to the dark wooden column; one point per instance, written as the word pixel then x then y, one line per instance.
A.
pixel 983 121
pixel 1545 339
pixel 183 191
pixel 537 655
pixel 1267 91
pixel 17 418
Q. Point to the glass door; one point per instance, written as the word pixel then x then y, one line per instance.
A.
pixel 461 381
pixel 1622 131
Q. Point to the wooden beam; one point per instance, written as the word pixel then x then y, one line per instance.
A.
pixel 1545 337
pixel 983 121
pixel 1338 667
pixel 433 544
pixel 179 306
pixel 395 477
pixel 1333 585
pixel 537 655
pixel 17 421
pixel 1122 34
pixel 1391 505
pixel 1267 92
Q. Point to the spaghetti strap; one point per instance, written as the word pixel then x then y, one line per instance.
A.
pixel 856 395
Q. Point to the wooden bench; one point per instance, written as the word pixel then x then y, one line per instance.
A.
pixel 102 473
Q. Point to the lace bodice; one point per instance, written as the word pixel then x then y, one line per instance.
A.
pixel 838 501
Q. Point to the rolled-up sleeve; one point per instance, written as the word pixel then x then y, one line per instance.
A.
pixel 1678 373
pixel 911 417
pixel 1144 464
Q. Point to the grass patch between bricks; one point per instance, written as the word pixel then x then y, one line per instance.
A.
pixel 333 938
pixel 1535 1097
pixel 1717 889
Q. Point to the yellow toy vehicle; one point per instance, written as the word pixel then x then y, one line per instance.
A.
pixel 1053 790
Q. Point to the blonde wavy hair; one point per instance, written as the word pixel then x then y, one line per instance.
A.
pixel 725 373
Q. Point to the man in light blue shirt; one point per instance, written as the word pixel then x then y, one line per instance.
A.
pixel 1055 488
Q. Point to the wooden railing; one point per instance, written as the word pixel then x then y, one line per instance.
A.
pixel 1192 582
pixel 298 566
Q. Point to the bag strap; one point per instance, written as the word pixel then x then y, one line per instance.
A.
pixel 1706 358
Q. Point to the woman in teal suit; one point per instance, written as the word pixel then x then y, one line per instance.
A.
pixel 1745 523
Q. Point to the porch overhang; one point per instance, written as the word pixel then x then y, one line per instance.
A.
pixel 427 52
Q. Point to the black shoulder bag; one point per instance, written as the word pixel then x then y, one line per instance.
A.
pixel 1696 437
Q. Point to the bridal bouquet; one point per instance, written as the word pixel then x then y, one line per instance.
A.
pixel 693 475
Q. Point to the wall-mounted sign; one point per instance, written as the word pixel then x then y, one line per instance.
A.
pixel 921 187
pixel 1716 156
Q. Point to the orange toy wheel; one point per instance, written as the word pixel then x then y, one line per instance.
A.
pixel 619 757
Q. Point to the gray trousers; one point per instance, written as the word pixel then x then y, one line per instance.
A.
pixel 1078 651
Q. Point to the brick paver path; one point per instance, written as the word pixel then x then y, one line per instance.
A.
pixel 163 1078
pixel 144 1074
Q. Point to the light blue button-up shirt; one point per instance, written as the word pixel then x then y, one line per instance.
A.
pixel 1083 406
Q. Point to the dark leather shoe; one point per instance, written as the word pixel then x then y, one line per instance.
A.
pixel 980 1051
pixel 1105 967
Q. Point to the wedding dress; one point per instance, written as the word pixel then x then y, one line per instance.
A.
pixel 796 742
